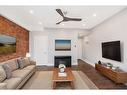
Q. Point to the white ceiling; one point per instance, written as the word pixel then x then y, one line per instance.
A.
pixel 48 16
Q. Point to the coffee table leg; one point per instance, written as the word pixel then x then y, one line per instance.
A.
pixel 72 85
pixel 54 85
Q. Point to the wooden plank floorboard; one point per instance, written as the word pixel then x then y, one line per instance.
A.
pixel 98 79
pixel 50 68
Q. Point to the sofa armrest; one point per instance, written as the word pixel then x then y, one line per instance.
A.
pixel 3 85
pixel 32 62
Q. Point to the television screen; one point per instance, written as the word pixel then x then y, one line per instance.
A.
pixel 62 45
pixel 7 44
pixel 111 50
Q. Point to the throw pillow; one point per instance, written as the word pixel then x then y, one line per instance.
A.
pixel 7 70
pixel 12 64
pixel 27 61
pixel 21 63
pixel 2 74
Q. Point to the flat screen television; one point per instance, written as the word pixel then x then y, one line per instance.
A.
pixel 111 50
pixel 7 44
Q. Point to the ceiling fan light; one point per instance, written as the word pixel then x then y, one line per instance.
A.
pixel 83 24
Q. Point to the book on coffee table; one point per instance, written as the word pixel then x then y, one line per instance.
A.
pixel 62 74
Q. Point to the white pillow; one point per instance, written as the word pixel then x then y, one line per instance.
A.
pixel 2 74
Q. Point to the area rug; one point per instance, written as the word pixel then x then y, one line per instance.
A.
pixel 43 80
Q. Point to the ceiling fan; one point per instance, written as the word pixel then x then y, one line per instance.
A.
pixel 66 18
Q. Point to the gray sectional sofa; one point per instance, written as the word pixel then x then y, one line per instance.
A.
pixel 18 75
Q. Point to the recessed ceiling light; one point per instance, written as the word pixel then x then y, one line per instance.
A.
pixel 94 15
pixel 31 11
pixel 83 24
pixel 40 23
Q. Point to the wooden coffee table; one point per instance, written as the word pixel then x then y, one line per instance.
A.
pixel 69 78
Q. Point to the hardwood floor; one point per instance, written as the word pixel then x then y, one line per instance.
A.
pixel 99 80
pixel 50 68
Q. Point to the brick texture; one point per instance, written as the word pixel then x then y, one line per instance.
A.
pixel 10 28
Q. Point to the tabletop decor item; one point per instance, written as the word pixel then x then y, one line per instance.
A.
pixel 62 68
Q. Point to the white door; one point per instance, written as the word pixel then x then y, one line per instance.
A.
pixel 41 49
pixel 79 48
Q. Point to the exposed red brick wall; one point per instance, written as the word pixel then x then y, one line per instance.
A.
pixel 10 28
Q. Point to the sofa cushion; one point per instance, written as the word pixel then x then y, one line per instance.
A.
pixel 3 85
pixel 12 64
pixel 30 67
pixel 7 70
pixel 2 74
pixel 12 83
pixel 20 73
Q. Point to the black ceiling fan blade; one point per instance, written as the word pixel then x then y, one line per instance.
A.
pixel 60 12
pixel 74 19
pixel 59 22
pixel 66 18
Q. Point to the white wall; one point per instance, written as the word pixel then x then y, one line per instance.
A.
pixel 57 34
pixel 113 29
